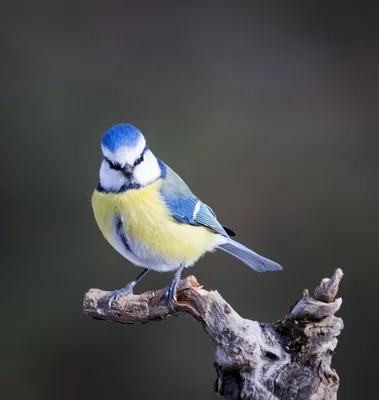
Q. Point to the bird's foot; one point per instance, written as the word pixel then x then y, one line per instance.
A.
pixel 171 290
pixel 116 294
pixel 171 296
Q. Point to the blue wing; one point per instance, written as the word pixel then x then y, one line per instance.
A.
pixel 185 207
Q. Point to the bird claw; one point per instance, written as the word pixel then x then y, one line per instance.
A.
pixel 171 290
pixel 116 294
pixel 171 297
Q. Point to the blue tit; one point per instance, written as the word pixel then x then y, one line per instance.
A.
pixel 151 217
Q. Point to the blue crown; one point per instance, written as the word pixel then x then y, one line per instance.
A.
pixel 122 135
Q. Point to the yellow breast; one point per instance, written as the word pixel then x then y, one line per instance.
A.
pixel 147 220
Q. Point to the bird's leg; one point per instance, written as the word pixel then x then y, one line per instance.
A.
pixel 171 290
pixel 116 294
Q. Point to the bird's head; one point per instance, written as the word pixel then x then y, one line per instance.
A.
pixel 127 161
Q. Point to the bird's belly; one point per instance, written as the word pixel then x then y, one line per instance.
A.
pixel 139 253
pixel 152 238
pixel 162 241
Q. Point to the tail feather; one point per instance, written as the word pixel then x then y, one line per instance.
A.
pixel 249 257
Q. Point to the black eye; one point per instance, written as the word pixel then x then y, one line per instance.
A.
pixel 112 165
pixel 117 167
pixel 139 160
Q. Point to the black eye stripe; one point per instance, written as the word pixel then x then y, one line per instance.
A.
pixel 137 162
pixel 113 165
pixel 118 167
pixel 141 157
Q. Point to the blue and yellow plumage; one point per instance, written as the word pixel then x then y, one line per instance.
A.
pixel 151 217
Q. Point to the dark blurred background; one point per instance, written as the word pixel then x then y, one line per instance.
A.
pixel 269 112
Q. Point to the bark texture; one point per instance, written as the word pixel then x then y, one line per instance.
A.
pixel 290 359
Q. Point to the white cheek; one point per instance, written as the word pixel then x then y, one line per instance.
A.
pixel 110 179
pixel 148 171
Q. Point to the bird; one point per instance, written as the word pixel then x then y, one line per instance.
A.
pixel 151 217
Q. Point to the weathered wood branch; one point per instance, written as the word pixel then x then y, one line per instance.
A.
pixel 290 359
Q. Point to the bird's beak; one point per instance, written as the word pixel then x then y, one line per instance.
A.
pixel 127 170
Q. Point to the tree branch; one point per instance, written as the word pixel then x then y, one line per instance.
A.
pixel 290 359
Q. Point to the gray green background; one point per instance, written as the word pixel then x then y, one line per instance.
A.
pixel 269 111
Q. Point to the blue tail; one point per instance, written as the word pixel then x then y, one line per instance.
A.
pixel 253 260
